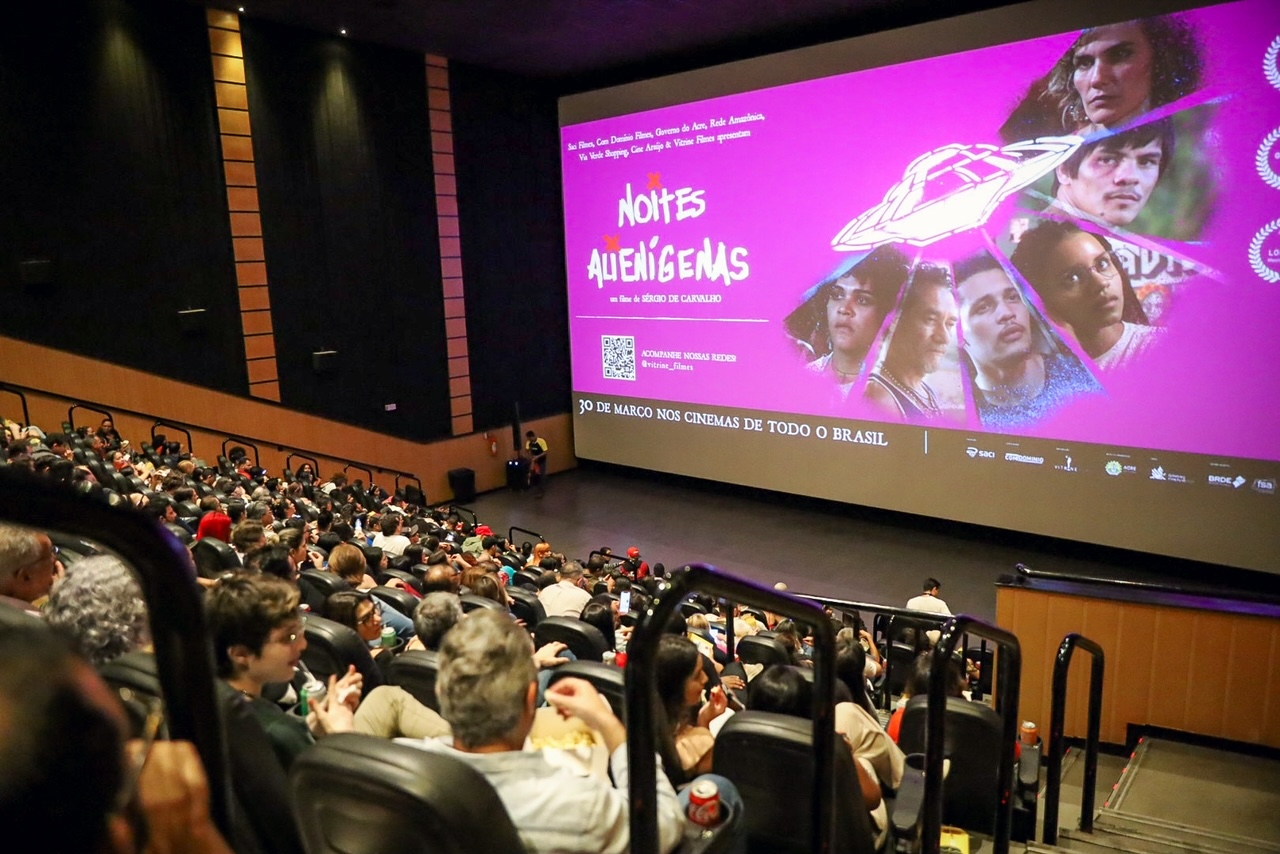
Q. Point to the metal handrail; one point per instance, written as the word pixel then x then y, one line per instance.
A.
pixel 315 464
pixel 892 612
pixel 240 440
pixel 26 413
pixel 935 729
pixel 94 407
pixel 184 656
pixel 1027 573
pixel 413 477
pixel 467 510
pixel 161 423
pixel 362 468
pixel 71 413
pixel 1057 746
pixel 641 689
pixel 511 531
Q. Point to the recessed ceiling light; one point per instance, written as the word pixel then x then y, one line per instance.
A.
pixel 342 32
pixel 241 8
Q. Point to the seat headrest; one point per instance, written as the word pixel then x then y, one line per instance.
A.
pixel 358 794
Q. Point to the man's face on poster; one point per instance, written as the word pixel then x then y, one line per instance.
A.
pixel 926 328
pixel 1113 184
pixel 995 320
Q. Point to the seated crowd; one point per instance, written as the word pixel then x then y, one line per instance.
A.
pixel 407 579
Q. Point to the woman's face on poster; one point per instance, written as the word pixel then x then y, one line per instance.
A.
pixel 1112 73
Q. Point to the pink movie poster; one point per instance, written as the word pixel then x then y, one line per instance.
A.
pixel 1075 237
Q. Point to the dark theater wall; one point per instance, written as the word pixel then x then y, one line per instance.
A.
pixel 110 168
pixel 343 154
pixel 507 142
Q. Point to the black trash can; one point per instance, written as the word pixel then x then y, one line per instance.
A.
pixel 518 473
pixel 463 484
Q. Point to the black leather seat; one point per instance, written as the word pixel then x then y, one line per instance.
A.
pixel 526 606
pixel 356 794
pixel 471 602
pixel 415 671
pixel 769 757
pixel 134 677
pixel 973 742
pixel 402 574
pixel 401 600
pixel 323 583
pixel 332 647
pixel 526 578
pixel 607 679
pixel 214 557
pixel 754 649
pixel 583 639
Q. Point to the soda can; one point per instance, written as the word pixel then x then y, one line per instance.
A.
pixel 1029 732
pixel 704 804
pixel 388 637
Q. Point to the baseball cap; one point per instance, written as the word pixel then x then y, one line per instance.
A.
pixel 633 552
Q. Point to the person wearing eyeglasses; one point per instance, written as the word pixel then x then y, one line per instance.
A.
pixel 1085 291
pixel 28 567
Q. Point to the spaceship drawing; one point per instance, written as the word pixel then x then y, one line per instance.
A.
pixel 952 189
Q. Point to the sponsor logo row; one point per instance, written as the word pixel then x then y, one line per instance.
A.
pixel 1222 475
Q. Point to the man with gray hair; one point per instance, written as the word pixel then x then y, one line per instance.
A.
pixel 28 566
pixel 435 615
pixel 565 598
pixel 487 690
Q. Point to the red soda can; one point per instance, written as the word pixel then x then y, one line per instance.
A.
pixel 704 804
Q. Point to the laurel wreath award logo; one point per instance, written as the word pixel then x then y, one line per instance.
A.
pixel 1265 159
pixel 1264 259
pixel 1269 63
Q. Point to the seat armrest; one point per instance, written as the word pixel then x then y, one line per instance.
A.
pixel 905 810
pixel 1029 767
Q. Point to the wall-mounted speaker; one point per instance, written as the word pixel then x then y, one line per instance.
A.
pixel 35 271
pixel 324 361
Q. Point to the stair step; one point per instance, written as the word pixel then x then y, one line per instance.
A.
pixel 1190 837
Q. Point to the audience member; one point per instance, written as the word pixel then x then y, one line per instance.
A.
pixel 566 598
pixel 28 566
pixel 99 604
pixel 487 690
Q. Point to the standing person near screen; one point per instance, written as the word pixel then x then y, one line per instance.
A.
pixel 1085 291
pixel 924 332
pixel 839 322
pixel 536 448
pixel 929 600
pixel 1014 383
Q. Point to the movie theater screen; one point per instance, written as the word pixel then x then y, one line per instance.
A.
pixel 1032 284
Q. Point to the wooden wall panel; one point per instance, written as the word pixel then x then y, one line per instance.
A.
pixel 1205 672
pixel 65 375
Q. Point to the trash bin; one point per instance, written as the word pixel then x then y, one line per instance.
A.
pixel 518 473
pixel 463 484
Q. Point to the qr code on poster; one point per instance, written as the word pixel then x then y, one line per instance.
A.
pixel 619 355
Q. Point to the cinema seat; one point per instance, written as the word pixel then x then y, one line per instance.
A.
pixel 401 600
pixel 332 647
pixel 607 679
pixel 415 671
pixel 356 794
pixel 973 741
pixel 583 639
pixel 769 757
pixel 754 649
pixel 526 606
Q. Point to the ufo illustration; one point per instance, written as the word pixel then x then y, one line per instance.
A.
pixel 952 189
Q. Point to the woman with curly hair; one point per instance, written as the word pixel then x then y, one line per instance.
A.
pixel 1110 76
pixel 100 605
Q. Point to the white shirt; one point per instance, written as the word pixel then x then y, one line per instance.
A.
pixel 563 599
pixel 554 810
pixel 928 602
pixel 393 545
pixel 1133 340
